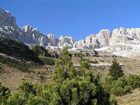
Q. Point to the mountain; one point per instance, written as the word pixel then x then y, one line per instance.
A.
pixel 8 26
pixel 27 34
pixel 120 41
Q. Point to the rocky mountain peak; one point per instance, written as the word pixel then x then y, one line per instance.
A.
pixel 65 41
pixel 116 40
pixel 103 37
pixel 6 19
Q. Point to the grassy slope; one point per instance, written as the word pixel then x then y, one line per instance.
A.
pixel 18 55
pixel 17 50
pixel 130 99
pixel 12 77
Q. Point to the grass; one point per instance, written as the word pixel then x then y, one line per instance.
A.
pixel 47 60
pixel 16 64
pixel 130 99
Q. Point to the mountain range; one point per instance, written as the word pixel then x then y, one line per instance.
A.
pixel 120 41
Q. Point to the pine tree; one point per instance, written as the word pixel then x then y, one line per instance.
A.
pixel 70 87
pixel 115 70
pixel 63 67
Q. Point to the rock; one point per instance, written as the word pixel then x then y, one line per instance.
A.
pixel 65 41
pixel 81 44
pixel 92 41
pixel 8 26
pixel 7 19
pixel 52 40
pixel 30 35
pixel 119 35
pixel 103 37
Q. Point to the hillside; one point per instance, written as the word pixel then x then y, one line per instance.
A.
pixel 130 99
pixel 17 50
pixel 17 54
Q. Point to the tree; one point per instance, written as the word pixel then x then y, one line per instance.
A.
pixel 28 95
pixel 70 87
pixel 63 67
pixel 115 70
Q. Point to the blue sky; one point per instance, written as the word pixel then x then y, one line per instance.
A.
pixel 76 18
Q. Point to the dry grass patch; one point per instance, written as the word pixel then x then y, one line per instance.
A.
pixel 130 99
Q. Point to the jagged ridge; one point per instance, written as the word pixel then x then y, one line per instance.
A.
pixel 117 40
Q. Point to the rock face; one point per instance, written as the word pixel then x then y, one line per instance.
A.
pixel 52 40
pixel 118 36
pixel 8 26
pixel 103 37
pixel 98 40
pixel 6 18
pixel 30 35
pixel 81 44
pixel 125 35
pixel 66 41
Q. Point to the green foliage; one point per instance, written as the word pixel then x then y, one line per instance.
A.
pixel 39 50
pixel 63 67
pixel 75 87
pixel 68 87
pixel 85 63
pixel 15 63
pixel 116 70
pixel 27 95
pixel 133 81
pixel 4 94
pixel 122 85
pixel 17 55
pixel 47 60
pixel 28 88
pixel 17 50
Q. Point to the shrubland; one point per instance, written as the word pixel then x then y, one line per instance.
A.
pixel 119 84
pixel 18 55
pixel 70 86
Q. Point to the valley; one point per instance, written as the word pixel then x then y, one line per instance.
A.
pixel 40 69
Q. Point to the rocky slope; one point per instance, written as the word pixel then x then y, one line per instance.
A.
pixel 118 41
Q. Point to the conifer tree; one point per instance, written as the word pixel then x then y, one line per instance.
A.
pixel 64 67
pixel 115 70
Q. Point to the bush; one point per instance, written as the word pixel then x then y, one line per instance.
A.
pixel 133 80
pixel 123 85
pixel 72 87
pixel 69 87
pixel 115 70
pixel 85 64
pixel 120 87
pixel 4 94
